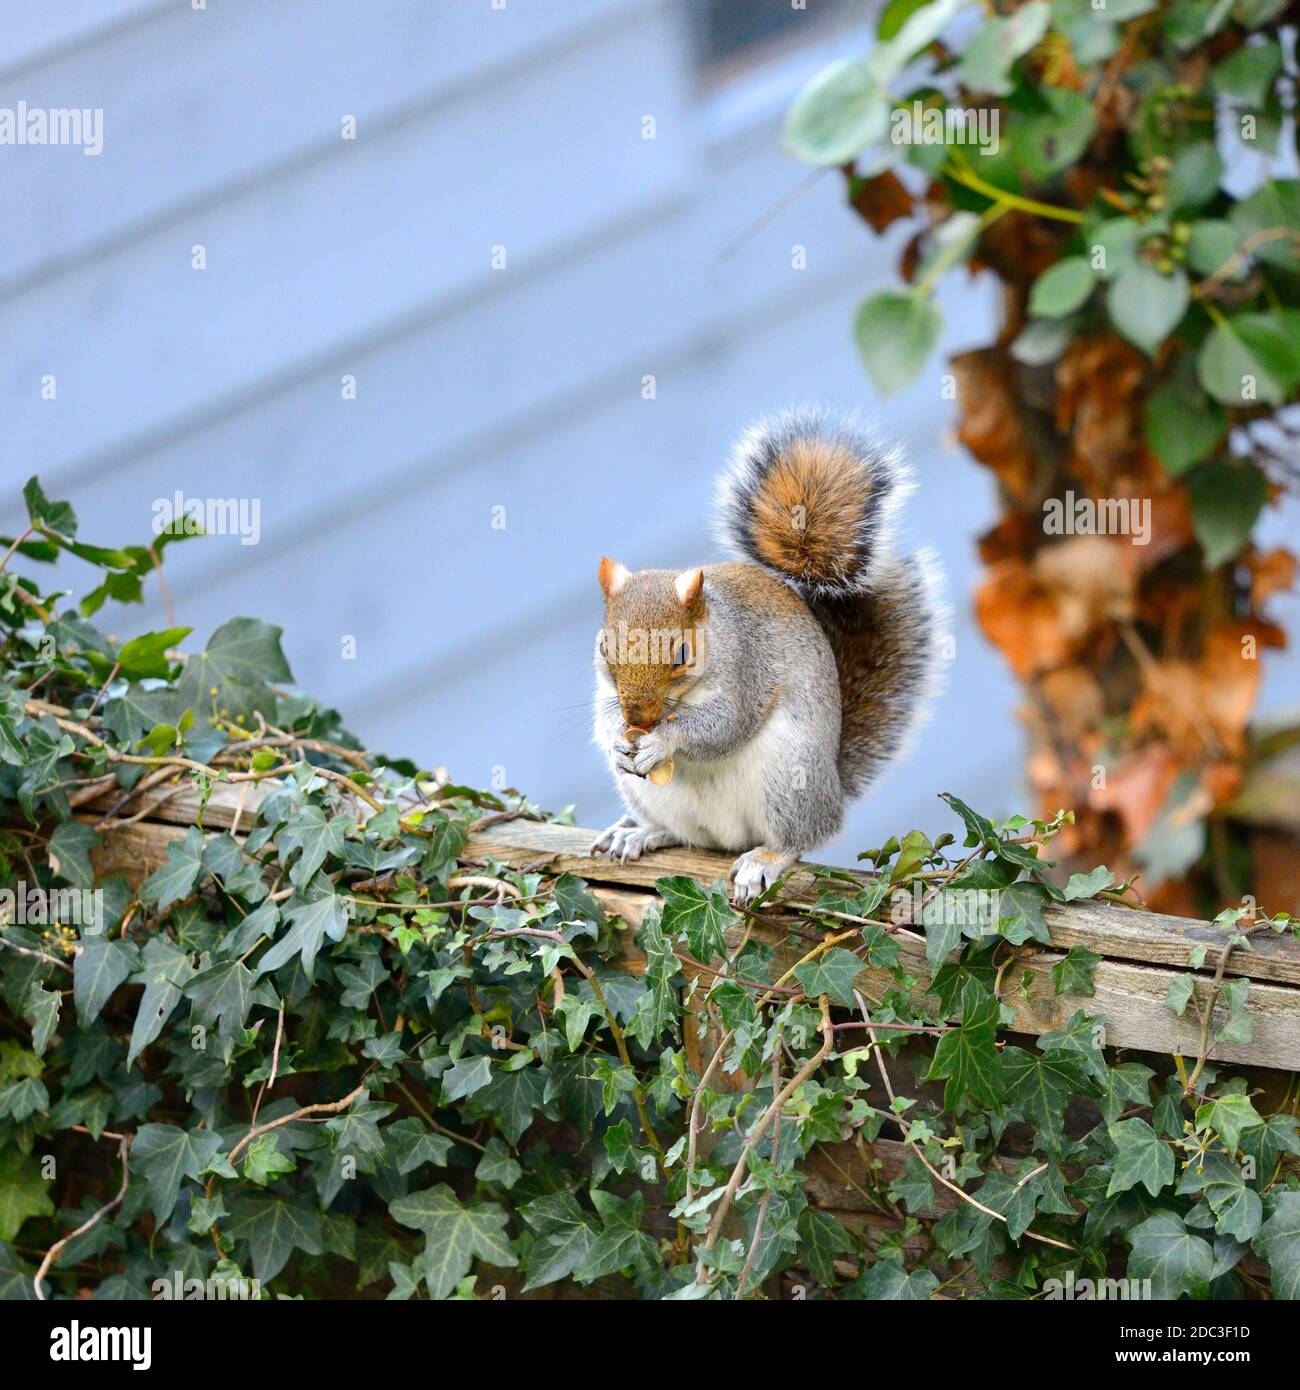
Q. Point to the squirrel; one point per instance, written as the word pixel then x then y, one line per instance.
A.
pixel 739 705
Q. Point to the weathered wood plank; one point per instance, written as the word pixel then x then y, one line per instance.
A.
pixel 1141 952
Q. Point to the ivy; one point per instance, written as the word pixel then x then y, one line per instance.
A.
pixel 320 1050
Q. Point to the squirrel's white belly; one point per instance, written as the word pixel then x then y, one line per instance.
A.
pixel 720 804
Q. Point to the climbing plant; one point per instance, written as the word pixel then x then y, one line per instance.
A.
pixel 1117 168
pixel 324 1048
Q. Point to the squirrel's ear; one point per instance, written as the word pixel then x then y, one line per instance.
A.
pixel 612 576
pixel 688 585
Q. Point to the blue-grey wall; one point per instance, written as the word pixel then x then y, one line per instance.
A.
pixel 483 395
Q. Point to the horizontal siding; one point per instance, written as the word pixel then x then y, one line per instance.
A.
pixel 247 112
pixel 334 252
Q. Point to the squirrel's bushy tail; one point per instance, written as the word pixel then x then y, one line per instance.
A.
pixel 814 500
pixel 811 498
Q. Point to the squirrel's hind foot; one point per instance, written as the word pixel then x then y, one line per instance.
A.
pixel 757 870
pixel 625 840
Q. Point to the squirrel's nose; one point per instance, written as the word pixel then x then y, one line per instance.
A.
pixel 641 716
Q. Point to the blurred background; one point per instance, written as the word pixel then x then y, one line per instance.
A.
pixel 489 287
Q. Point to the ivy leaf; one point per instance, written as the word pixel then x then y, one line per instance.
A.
pixel 271 1229
pixel 1088 885
pixel 1247 75
pixel 657 1008
pixel 1278 1242
pixel 23 1192
pixel 69 853
pixel 564 1238
pixel 455 1235
pixel 1231 1116
pixel 703 916
pixel 46 515
pixel 145 656
pixel 165 1154
pixel 1231 371
pixel 621 1243
pixel 41 1007
pixel 1075 974
pixel 1237 1028
pixel 467 1076
pixel 164 971
pixel 311 921
pixel 895 332
pixel 176 878
pixel 411 1145
pixel 1141 1156
pixel 888 1281
pixel 1040 1084
pixel 101 965
pixel 498 1164
pixel 821 1238
pixel 841 112
pixel 222 994
pixel 315 836
pixel 832 973
pixel 968 1056
pixel 1020 914
pixel 1176 1262
pixel 263 1160
pixel 238 663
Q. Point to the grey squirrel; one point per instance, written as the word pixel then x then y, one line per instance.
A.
pixel 739 705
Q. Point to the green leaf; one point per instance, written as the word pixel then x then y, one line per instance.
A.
pixel 1141 1156
pixel 1088 885
pixel 311 921
pixel 455 1235
pixel 101 965
pixel 918 31
pixel 1211 245
pixel 271 1229
pixel 1247 75
pixel 222 995
pixel 1183 425
pixel 1227 499
pixel 564 1238
pixel 467 1076
pixel 888 1281
pixel 45 515
pixel 1049 141
pixel 895 332
pixel 498 1165
pixel 23 1192
pixel 1062 288
pixel 176 878
pixel 621 1243
pixel 1231 1116
pixel 69 853
pixel 1177 1263
pixel 988 57
pixel 1075 974
pixel 1232 372
pixel 316 837
pixel 832 973
pixel 1146 306
pixel 968 1056
pixel 241 659
pixel 164 970
pixel 1041 1084
pixel 1179 993
pixel 840 113
pixel 821 1238
pixel 1194 179
pixel 145 656
pixel 264 1161
pixel 1278 1242
pixel 702 915
pixel 1273 209
pixel 165 1154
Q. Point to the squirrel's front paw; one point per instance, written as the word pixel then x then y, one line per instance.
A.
pixel 642 757
pixel 625 840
